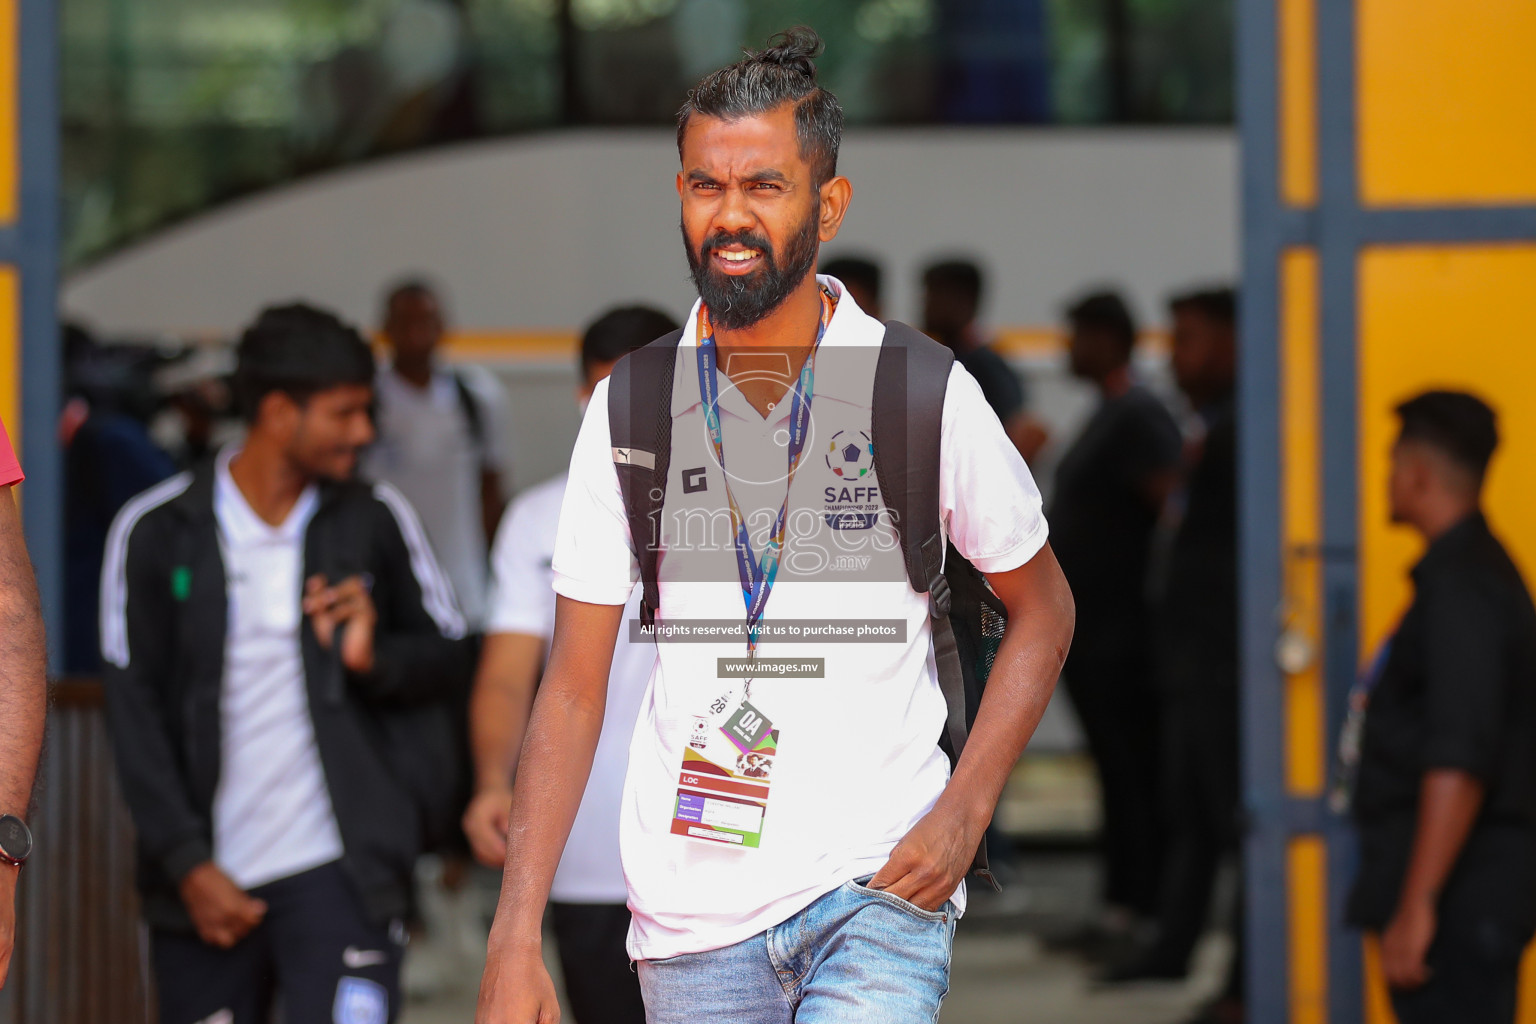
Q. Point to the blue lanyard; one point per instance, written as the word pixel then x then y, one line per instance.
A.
pixel 758 574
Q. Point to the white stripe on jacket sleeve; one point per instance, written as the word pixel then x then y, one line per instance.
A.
pixel 436 592
pixel 114 566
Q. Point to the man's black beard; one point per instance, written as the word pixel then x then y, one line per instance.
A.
pixel 739 302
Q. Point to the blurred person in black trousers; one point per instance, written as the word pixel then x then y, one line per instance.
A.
pixel 1110 489
pixel 1197 651
pixel 1445 798
pixel 862 277
pixel 952 293
pixel 282 659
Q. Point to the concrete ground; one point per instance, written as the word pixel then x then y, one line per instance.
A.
pixel 998 978
pixel 1010 978
pixel 1005 968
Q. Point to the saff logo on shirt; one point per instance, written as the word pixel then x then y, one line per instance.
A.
pixel 856 504
pixel 851 457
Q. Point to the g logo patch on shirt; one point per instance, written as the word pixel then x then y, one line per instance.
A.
pixel 360 1001
pixel 693 481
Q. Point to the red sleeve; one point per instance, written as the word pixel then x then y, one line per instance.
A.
pixel 10 469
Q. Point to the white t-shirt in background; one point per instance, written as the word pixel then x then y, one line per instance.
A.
pixel 523 601
pixel 272 814
pixel 428 450
pixel 858 762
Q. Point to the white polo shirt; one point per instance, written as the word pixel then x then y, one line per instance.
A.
pixel 858 762
pixel 523 601
pixel 426 448
pixel 272 815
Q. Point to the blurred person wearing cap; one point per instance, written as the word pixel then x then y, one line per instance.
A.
pixel 23 695
pixel 1111 486
pixel 281 651
pixel 442 440
pixel 1444 793
pixel 199 416
pixel 827 885
pixel 588 895
pixel 952 296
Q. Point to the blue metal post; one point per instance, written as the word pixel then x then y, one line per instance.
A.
pixel 37 262
pixel 1264 232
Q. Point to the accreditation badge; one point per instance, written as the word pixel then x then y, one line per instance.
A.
pixel 722 786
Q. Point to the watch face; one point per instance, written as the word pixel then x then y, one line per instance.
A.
pixel 15 839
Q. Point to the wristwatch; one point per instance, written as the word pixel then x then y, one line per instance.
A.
pixel 15 841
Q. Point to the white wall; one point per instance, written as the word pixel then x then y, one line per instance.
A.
pixel 542 231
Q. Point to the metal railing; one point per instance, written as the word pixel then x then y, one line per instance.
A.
pixel 79 953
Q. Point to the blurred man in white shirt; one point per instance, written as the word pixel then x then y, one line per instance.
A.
pixel 588 909
pixel 442 441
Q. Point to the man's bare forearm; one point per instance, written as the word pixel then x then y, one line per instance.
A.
pixel 555 762
pixel 557 758
pixel 1449 802
pixel 500 704
pixel 23 665
pixel 1028 663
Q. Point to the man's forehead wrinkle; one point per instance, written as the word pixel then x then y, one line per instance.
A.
pixel 738 166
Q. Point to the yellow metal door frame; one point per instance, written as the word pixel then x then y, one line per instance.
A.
pixel 1389 216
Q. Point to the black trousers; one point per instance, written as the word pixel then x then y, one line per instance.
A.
pixel 1474 979
pixel 1202 800
pixel 601 986
pixel 315 954
pixel 1119 709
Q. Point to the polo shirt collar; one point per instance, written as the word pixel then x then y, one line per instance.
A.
pixel 850 327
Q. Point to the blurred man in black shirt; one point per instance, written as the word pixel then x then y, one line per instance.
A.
pixel 1197 648
pixel 1446 792
pixel 1110 489
pixel 951 303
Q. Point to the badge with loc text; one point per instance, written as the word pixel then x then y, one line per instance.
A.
pixel 722 788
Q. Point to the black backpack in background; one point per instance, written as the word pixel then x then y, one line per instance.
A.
pixel 911 377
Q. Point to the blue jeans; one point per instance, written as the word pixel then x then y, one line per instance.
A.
pixel 855 956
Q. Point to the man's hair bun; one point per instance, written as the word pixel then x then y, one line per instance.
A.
pixel 763 80
pixel 795 49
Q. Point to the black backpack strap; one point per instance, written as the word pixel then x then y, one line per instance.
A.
pixel 911 378
pixel 640 431
pixel 472 414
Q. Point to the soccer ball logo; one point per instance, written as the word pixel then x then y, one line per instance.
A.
pixel 851 454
